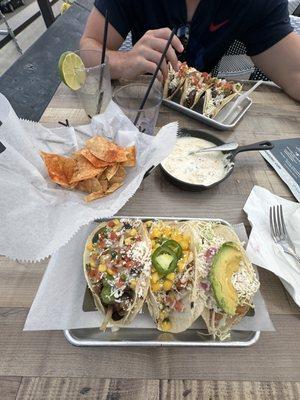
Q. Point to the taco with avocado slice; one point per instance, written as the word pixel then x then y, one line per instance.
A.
pixel 173 299
pixel 218 96
pixel 117 266
pixel 175 80
pixel 225 275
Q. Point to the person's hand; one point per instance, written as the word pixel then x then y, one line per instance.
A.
pixel 146 54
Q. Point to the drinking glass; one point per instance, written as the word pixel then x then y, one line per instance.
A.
pixel 129 99
pixel 94 99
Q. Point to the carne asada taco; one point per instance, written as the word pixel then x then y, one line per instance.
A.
pixel 175 80
pixel 218 96
pixel 173 298
pixel 117 266
pixel 194 87
pixel 225 274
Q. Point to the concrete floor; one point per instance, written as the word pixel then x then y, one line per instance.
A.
pixel 9 53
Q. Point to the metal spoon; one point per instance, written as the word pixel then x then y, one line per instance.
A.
pixel 223 147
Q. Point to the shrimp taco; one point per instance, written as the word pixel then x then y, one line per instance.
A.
pixel 117 266
pixel 218 96
pixel 227 279
pixel 173 298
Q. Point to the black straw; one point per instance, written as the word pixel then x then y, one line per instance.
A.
pixel 104 44
pixel 154 76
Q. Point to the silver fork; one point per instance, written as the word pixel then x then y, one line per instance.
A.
pixel 279 232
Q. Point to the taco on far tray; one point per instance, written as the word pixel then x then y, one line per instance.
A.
pixel 117 266
pixel 225 275
pixel 175 80
pixel 173 300
pixel 218 96
pixel 194 87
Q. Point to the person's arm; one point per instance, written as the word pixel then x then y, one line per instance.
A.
pixel 281 63
pixel 144 56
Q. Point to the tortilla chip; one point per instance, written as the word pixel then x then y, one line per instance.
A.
pixel 131 157
pixel 106 150
pixel 60 168
pixel 113 187
pixel 84 169
pixel 111 171
pixel 104 184
pixel 92 159
pixel 119 176
pixel 90 185
pixel 94 196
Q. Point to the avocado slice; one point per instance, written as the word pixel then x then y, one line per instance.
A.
pixel 225 263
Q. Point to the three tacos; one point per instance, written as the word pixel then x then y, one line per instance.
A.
pixel 182 270
pixel 192 85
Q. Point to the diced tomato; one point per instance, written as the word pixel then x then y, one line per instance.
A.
pixel 210 253
pixel 113 236
pixel 101 244
pixel 129 263
pixel 119 283
pixel 111 224
pixel 92 273
pixel 178 306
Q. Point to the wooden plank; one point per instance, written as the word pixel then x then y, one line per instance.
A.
pixel 9 386
pixel 87 388
pixel 276 357
pixel 91 388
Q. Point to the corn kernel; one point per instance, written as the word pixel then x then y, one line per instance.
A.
pixel 185 244
pixel 181 266
pixel 162 315
pixel 127 241
pixel 167 285
pixel 148 224
pixel 102 268
pixel 155 233
pixel 166 325
pixel 153 243
pixel 133 232
pixel 154 277
pixel 110 271
pixel 171 276
pixel 156 287
pixel 133 283
pixel 90 246
pixel 92 264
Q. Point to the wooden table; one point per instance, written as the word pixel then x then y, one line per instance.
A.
pixel 42 365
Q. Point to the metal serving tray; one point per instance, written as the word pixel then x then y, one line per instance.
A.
pixel 196 113
pixel 140 337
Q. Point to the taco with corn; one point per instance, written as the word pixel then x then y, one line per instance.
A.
pixel 218 96
pixel 117 266
pixel 226 277
pixel 173 300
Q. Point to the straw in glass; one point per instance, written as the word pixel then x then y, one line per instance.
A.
pixel 100 98
pixel 154 76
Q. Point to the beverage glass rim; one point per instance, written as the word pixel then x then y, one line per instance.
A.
pixel 132 85
pixel 95 51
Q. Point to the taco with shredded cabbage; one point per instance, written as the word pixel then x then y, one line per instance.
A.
pixel 173 298
pixel 218 96
pixel 117 266
pixel 175 80
pixel 226 277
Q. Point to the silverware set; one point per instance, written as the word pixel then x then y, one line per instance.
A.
pixel 279 232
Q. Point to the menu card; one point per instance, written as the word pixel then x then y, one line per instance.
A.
pixel 285 159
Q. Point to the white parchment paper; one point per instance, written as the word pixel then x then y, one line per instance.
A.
pixel 58 304
pixel 37 216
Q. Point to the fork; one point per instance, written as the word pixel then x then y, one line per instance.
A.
pixel 279 232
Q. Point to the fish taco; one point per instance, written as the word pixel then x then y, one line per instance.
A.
pixel 194 87
pixel 175 80
pixel 173 298
pixel 227 279
pixel 117 266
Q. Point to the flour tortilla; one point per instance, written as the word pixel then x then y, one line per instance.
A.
pixel 193 304
pixel 208 97
pixel 141 287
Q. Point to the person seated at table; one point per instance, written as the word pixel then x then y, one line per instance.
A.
pixel 206 27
